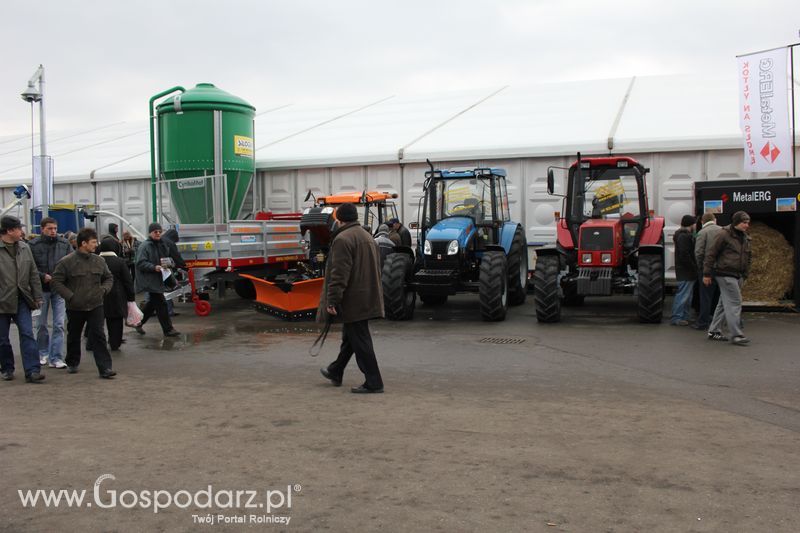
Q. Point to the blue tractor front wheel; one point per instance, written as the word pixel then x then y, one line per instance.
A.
pixel 493 286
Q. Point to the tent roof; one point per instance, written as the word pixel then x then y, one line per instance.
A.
pixel 660 113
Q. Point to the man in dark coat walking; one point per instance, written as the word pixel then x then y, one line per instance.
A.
pixel 149 279
pixel 352 294
pixel 83 280
pixel 685 271
pixel 115 303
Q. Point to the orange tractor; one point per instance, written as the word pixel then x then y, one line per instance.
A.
pixel 294 294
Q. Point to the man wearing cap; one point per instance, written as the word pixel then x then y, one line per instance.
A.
pixel 149 279
pixel 20 291
pixel 728 259
pixel 399 229
pixel 685 271
pixel 83 280
pixel 352 295
pixel 48 249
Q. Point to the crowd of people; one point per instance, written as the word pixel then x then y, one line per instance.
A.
pixel 87 283
pixel 719 259
pixel 80 285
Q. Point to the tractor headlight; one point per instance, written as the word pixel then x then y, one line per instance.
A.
pixel 452 248
pixel 586 258
pixel 427 248
pixel 605 259
pixel 327 210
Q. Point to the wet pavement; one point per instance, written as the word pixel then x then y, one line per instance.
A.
pixel 597 423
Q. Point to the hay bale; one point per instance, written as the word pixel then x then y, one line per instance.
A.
pixel 772 272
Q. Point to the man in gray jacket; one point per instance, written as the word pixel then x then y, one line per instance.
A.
pixel 83 280
pixel 48 249
pixel 352 294
pixel 20 291
pixel 709 294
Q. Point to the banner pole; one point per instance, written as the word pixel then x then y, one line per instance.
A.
pixel 794 132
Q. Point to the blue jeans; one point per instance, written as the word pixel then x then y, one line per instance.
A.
pixel 682 301
pixel 51 347
pixel 27 343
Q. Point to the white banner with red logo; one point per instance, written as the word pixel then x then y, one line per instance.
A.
pixel 764 111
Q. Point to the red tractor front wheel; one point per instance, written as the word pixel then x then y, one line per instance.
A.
pixel 202 308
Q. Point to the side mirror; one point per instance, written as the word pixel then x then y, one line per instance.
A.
pixel 550 181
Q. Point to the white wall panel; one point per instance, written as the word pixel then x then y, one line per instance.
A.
pixel 726 165
pixel 317 180
pixel 136 203
pixel 279 191
pixel 540 225
pixel 348 179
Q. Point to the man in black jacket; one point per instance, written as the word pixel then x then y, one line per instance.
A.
pixel 115 304
pixel 48 249
pixel 83 279
pixel 685 271
pixel 149 279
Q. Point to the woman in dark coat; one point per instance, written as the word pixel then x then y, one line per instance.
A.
pixel 115 305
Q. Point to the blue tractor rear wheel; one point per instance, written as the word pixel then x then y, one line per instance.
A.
pixel 518 268
pixel 398 299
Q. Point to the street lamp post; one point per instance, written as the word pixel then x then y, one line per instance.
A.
pixel 32 94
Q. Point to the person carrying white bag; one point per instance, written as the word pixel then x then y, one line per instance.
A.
pixel 135 315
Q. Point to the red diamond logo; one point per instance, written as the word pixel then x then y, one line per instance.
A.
pixel 770 152
pixel 724 197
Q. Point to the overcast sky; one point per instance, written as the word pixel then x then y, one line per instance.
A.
pixel 104 59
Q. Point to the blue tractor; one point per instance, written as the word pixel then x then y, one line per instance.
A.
pixel 467 243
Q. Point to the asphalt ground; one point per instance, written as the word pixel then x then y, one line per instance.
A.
pixel 597 423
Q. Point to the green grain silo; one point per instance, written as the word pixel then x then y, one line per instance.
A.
pixel 201 132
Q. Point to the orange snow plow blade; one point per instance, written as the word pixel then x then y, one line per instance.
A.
pixel 290 301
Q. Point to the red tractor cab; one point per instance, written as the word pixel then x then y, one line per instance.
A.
pixel 608 240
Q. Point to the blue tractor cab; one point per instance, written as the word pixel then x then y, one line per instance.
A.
pixel 467 243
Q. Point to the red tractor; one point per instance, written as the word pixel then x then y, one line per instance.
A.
pixel 608 241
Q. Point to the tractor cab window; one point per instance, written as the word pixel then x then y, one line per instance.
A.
pixel 371 217
pixel 612 198
pixel 466 198
pixel 388 212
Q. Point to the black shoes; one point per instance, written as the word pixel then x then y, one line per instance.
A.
pixel 327 375
pixel 172 333
pixel 34 377
pixel 72 370
pixel 108 374
pixel 7 376
pixel 362 389
pixel 717 336
pixel 140 330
